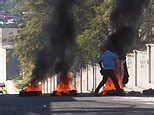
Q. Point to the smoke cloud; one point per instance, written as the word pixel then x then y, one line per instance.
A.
pixel 124 19
pixel 58 56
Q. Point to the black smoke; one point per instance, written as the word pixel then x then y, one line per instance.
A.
pixel 124 19
pixel 58 56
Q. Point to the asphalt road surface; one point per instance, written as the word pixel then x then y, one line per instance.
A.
pixel 83 105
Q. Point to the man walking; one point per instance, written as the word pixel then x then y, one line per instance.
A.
pixel 108 67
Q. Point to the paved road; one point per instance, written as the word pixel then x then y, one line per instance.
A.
pixel 47 105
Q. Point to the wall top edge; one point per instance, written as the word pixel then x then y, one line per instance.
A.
pixel 137 51
pixel 150 45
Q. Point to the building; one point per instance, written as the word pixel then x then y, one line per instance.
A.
pixel 7 19
pixel 5 36
pixel 9 66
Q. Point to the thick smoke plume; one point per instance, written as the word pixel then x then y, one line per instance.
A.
pixel 124 19
pixel 58 56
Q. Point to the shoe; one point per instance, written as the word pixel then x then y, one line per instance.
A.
pixel 121 93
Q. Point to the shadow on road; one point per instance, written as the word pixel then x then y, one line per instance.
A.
pixel 67 105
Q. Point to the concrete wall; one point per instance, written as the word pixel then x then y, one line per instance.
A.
pixel 2 65
pixel 131 69
pixel 7 33
pixel 151 61
pixel 49 85
pixel 152 64
pixel 78 79
pixel 0 36
pixel 141 67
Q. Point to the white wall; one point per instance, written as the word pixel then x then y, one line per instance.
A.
pixel 131 70
pixel 152 63
pixel 2 65
pixel 142 78
pixel 79 81
pixel 11 89
pixel 84 80
pixel 90 78
pixel 0 37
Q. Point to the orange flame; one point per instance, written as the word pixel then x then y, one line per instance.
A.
pixel 110 85
pixel 65 86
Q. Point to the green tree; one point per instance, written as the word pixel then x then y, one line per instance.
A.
pixel 32 35
pixel 145 30
pixel 93 27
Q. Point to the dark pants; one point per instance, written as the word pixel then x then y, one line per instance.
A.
pixel 106 75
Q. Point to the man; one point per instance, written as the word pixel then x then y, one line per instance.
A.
pixel 108 59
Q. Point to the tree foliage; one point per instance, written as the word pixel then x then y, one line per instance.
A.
pixel 32 35
pixel 93 27
pixel 145 30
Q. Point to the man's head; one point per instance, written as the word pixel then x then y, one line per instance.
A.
pixel 111 49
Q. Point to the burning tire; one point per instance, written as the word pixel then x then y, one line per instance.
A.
pixel 69 93
pixel 30 93
pixel 115 93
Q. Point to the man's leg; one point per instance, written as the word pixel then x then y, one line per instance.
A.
pixel 101 84
pixel 115 81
